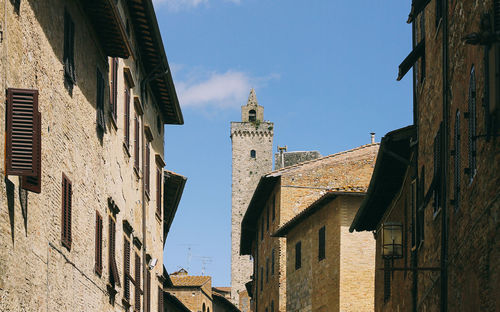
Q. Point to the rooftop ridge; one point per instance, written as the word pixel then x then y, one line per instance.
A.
pixel 322 158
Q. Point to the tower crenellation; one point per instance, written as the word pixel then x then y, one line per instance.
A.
pixel 252 142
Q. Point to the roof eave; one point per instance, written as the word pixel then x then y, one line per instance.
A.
pixel 174 186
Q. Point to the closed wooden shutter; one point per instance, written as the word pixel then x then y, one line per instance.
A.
pixel 126 126
pixel 148 291
pixel 136 143
pixel 113 90
pixel 137 278
pixel 160 299
pixel 101 123
pixel 126 268
pixel 98 243
pixel 321 243
pixel 113 274
pixel 22 133
pixel 158 191
pixel 66 190
pixel 34 183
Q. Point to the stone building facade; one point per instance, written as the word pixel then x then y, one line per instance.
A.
pixel 279 197
pixel 195 292
pixel 328 268
pixel 87 94
pixel 252 144
pixel 454 165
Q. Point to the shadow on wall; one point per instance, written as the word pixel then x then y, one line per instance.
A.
pixel 9 188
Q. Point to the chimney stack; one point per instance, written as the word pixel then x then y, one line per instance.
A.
pixel 372 137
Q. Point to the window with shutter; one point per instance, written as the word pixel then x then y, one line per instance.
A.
pixel 98 243
pixel 126 268
pixel 456 160
pixel 23 137
pixel 274 206
pixel 298 255
pixel 321 244
pixel 160 299
pixel 272 262
pixel 69 49
pixel 471 115
pixel 101 124
pixel 113 90
pixel 136 144
pixel 113 270
pixel 66 190
pixel 158 192
pixel 137 279
pixel 148 291
pixel 126 124
pixel 147 168
pixel 437 170
pixel 34 183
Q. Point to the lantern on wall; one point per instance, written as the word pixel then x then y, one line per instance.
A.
pixel 392 240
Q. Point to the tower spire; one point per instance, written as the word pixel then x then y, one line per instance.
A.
pixel 252 98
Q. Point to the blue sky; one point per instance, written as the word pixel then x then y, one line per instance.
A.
pixel 324 70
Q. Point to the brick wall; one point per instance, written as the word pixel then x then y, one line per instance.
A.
pixel 50 277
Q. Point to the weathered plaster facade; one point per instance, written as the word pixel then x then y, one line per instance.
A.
pixel 36 271
pixel 247 168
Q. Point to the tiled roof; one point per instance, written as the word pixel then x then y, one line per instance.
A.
pixel 319 161
pixel 189 280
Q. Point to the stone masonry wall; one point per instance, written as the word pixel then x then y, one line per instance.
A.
pixel 36 271
pixel 246 172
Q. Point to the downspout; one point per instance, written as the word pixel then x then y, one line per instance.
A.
pixel 444 180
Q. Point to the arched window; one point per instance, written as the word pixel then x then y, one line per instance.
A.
pixel 253 153
pixel 471 171
pixel 204 307
pixel 252 115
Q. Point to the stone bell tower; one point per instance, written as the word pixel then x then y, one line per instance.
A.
pixel 252 144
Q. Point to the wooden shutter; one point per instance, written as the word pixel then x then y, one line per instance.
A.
pixel 136 143
pixel 101 123
pixel 66 190
pixel 34 183
pixel 126 126
pixel 113 90
pixel 160 299
pixel 98 243
pixel 272 262
pixel 148 291
pixel 298 255
pixel 22 133
pixel 147 174
pixel 113 270
pixel 126 268
pixel 137 278
pixel 321 243
pixel 158 192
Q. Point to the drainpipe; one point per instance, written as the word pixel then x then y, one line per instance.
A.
pixel 444 180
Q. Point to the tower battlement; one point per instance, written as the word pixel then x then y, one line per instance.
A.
pixel 252 144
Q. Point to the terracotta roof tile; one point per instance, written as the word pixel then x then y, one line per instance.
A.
pixel 188 280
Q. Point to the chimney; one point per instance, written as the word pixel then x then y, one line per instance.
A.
pixel 372 137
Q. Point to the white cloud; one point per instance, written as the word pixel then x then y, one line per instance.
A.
pixel 176 5
pixel 218 90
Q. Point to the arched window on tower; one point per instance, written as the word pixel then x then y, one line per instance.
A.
pixel 252 153
pixel 252 115
pixel 204 307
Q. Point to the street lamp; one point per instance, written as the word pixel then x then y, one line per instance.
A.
pixel 392 241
